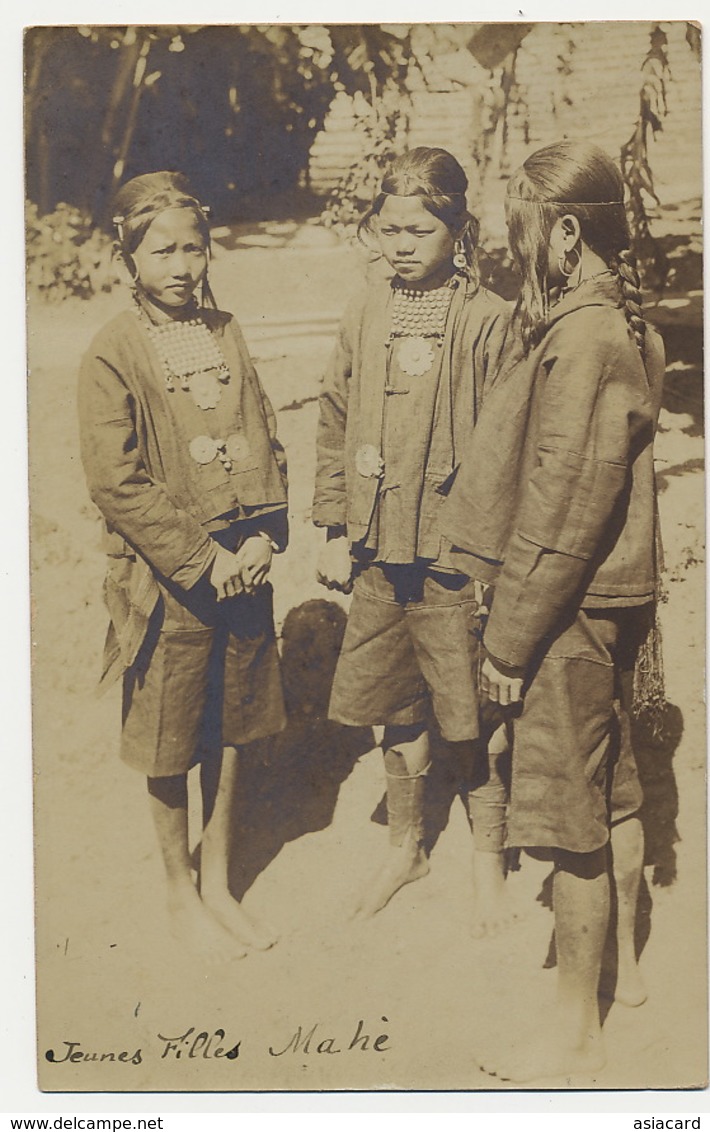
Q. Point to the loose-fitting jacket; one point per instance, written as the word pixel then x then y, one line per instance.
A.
pixel 352 404
pixel 555 496
pixel 141 475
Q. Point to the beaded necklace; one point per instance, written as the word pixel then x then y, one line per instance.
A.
pixel 418 320
pixel 190 355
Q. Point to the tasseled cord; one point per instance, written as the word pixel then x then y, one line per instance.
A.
pixel 649 698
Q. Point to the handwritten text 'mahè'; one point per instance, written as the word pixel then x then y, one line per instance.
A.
pixel 300 1041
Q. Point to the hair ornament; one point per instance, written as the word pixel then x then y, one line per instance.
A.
pixel 420 193
pixel 568 203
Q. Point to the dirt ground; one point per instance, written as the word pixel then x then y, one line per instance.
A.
pixel 309 822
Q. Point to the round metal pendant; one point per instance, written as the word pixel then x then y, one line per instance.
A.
pixel 368 462
pixel 238 447
pixel 205 389
pixel 203 449
pixel 415 356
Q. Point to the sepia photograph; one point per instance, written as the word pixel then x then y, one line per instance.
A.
pixel 367 556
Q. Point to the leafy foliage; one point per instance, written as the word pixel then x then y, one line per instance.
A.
pixel 66 255
pixel 383 138
pixel 373 63
pixel 635 164
pixel 235 107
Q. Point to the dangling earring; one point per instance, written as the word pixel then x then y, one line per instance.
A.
pixel 460 260
pixel 568 272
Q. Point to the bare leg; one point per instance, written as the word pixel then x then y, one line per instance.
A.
pixel 406 763
pixel 487 803
pixel 627 865
pixel 191 922
pixel 214 867
pixel 571 1041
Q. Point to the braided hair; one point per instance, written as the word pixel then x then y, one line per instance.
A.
pixel 581 180
pixel 436 176
pixel 624 263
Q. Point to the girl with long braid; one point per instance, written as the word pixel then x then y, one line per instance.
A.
pixel 555 504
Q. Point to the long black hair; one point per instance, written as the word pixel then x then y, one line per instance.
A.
pixel 576 179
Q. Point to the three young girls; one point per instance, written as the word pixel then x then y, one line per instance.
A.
pixel 555 502
pixel 551 497
pixel 400 400
pixel 180 452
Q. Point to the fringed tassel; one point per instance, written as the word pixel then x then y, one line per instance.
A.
pixel 649 698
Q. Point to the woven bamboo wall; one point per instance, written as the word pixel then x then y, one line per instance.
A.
pixel 578 80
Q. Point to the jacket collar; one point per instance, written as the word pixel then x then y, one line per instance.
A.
pixel 597 291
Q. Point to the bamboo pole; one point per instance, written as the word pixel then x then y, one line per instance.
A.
pixel 130 125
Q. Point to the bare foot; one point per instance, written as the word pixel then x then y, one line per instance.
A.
pixel 404 864
pixel 630 989
pixel 545 1056
pixel 195 927
pixel 492 910
pixel 232 916
pixel 492 918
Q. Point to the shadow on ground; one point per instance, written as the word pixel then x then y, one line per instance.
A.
pixel 289 785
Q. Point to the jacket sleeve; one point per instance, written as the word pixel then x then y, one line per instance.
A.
pixel 133 504
pixel 330 498
pixel 276 446
pixel 590 412
pixel 496 344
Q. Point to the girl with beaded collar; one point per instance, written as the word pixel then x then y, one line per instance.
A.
pixel 399 402
pixel 180 453
pixel 555 504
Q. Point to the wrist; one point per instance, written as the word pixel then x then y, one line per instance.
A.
pixel 267 538
pixel 512 671
pixel 220 561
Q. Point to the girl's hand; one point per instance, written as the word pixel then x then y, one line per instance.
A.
pixel 335 566
pixel 225 574
pixel 254 558
pixel 500 689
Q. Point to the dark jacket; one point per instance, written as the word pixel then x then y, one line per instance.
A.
pixel 555 496
pixel 142 477
pixel 352 404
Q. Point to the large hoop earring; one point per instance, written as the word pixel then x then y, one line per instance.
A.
pixel 568 272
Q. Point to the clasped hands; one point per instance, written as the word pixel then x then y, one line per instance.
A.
pixel 243 572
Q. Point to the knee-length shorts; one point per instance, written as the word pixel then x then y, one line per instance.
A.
pixel 573 768
pixel 412 640
pixel 208 675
